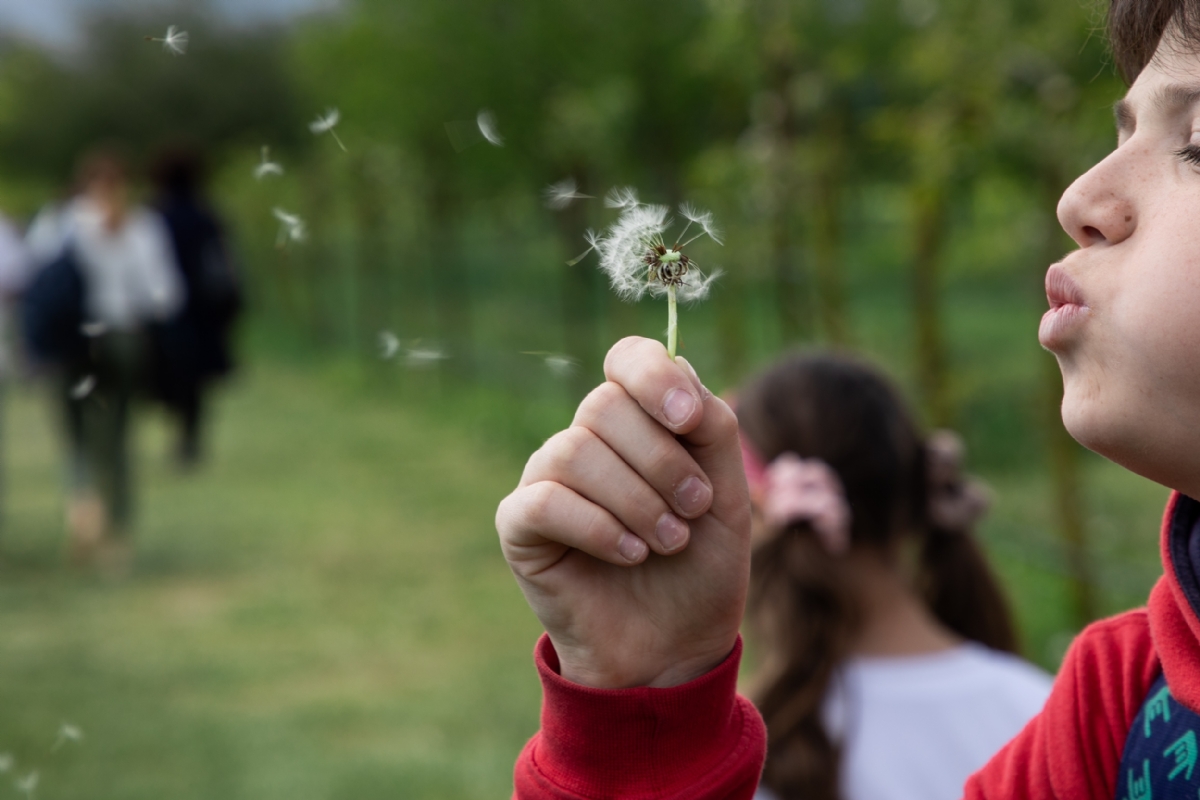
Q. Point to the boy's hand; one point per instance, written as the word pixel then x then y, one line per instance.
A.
pixel 630 593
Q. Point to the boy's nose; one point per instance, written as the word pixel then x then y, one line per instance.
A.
pixel 1096 208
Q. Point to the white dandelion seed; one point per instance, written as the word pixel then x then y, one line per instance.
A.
pixel 623 197
pixel 389 345
pixel 557 363
pixel 704 219
pixel 83 388
pixel 93 329
pixel 421 357
pixel 7 762
pixel 28 784
pixel 635 256
pixel 326 124
pixel 486 123
pixel 291 227
pixel 562 194
pixel 266 166
pixel 67 733
pixel 174 42
pixel 593 240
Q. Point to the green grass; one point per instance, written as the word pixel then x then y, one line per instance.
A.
pixel 323 611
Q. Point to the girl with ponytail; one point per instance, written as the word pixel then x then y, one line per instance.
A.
pixel 887 649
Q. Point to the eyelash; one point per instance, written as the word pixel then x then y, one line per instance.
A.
pixel 1190 154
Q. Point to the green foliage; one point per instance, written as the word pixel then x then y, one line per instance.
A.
pixel 229 89
pixel 885 171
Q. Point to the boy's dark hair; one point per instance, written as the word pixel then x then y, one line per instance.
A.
pixel 847 414
pixel 1135 28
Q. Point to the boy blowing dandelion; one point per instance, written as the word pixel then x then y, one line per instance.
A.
pixel 629 531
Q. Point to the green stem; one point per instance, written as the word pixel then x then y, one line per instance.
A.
pixel 672 322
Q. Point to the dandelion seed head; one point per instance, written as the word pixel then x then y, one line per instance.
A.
pixel 635 255
pixel 486 123
pixel 562 194
pixel 623 197
pixel 623 245
pixel 83 388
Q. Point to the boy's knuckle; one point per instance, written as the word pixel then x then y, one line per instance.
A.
pixel 620 350
pixel 725 424
pixel 600 401
pixel 575 443
pixel 537 504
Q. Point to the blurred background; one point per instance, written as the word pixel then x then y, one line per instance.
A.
pixel 320 610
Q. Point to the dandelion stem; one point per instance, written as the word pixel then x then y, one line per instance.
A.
pixel 672 322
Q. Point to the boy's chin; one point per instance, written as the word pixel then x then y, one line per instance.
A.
pixel 1121 437
pixel 1093 424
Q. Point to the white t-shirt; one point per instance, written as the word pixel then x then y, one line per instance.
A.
pixel 916 727
pixel 130 273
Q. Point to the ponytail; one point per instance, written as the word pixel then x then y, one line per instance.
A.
pixel 799 602
pixel 956 582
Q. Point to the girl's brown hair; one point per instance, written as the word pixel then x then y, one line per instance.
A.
pixel 848 415
pixel 1135 28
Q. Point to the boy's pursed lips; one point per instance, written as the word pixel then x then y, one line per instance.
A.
pixel 1068 308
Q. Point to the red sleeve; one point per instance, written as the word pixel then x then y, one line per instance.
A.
pixel 1073 748
pixel 700 741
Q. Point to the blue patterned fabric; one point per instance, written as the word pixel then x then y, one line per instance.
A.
pixel 1159 762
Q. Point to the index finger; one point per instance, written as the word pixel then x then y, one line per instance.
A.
pixel 709 430
pixel 663 388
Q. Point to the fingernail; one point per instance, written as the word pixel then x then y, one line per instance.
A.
pixel 671 531
pixel 678 407
pixel 632 548
pixel 691 371
pixel 693 496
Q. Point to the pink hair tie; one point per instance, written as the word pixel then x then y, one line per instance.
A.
pixel 755 469
pixel 799 490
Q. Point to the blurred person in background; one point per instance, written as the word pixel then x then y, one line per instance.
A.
pixel 888 669
pixel 119 257
pixel 193 348
pixel 14 273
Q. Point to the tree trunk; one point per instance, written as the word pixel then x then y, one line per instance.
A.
pixel 929 206
pixel 451 279
pixel 827 249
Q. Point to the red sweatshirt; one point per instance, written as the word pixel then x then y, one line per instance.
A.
pixel 703 741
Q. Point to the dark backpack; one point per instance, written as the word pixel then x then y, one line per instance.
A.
pixel 52 311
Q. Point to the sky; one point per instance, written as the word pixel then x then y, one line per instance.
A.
pixel 56 22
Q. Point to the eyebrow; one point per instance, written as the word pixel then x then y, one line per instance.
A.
pixel 1170 101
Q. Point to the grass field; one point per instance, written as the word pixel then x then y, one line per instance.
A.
pixel 323 611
